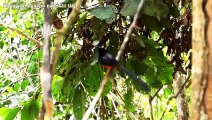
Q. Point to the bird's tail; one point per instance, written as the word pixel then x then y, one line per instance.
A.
pixel 135 77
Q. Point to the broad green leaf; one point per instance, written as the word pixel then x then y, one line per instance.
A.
pixel 149 8
pixel 2 44
pixel 79 102
pixel 30 110
pixel 68 86
pixel 32 68
pixel 93 79
pixel 16 87
pixel 10 89
pixel 8 113
pixel 168 92
pixel 162 10
pixel 105 13
pixel 151 77
pixel 2 28
pixel 57 84
pixel 153 48
pixel 165 75
pixel 98 27
pixel 161 70
pixel 24 84
pixel 154 35
pixel 156 8
pixel 130 7
pixel 24 42
pixel 140 40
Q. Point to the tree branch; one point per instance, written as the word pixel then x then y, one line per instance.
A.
pixel 130 30
pixel 60 34
pixel 45 72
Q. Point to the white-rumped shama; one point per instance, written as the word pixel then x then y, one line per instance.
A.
pixel 108 61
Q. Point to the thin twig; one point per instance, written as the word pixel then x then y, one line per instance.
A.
pixel 130 30
pixel 152 97
pixel 23 34
pixel 150 103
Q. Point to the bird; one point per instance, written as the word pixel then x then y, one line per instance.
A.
pixel 109 62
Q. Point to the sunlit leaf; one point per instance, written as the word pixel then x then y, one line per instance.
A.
pixel 17 86
pixel 8 113
pixel 57 84
pixel 24 84
pixel 2 28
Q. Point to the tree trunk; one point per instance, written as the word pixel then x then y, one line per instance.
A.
pixel 208 90
pixel 199 58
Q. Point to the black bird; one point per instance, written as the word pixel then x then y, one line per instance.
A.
pixel 109 62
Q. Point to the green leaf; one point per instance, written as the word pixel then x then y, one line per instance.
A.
pixel 162 10
pixel 93 78
pixel 107 13
pixel 81 20
pixel 165 75
pixel 2 44
pixel 130 7
pixel 8 113
pixel 92 81
pixel 159 70
pixel 156 8
pixel 32 68
pixel 79 102
pixel 128 100
pixel 16 87
pixel 2 28
pixel 98 27
pixel 24 84
pixel 151 77
pixel 140 40
pixel 57 84
pixel 24 42
pixel 30 110
pixel 68 86
pixel 154 35
pixel 10 89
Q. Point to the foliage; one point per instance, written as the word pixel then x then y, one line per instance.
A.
pixel 154 53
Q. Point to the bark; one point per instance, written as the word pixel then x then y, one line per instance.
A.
pixel 198 60
pixel 208 92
